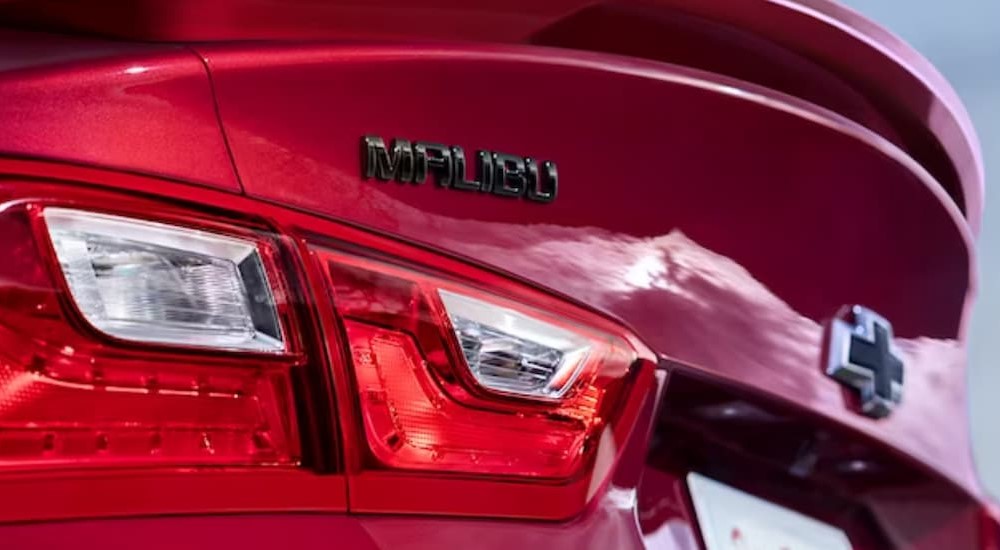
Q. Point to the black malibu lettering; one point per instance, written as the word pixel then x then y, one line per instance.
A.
pixel 509 176
pixel 484 162
pixel 496 173
pixel 547 186
pixel 385 165
pixel 433 158
pixel 459 181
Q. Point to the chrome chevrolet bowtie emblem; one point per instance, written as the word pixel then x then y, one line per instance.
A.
pixel 862 356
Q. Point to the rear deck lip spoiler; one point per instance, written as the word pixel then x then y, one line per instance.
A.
pixel 821 30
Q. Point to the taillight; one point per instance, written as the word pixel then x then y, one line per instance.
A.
pixel 132 341
pixel 454 377
pixel 140 339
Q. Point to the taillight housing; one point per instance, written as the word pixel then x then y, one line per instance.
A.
pixel 138 339
pixel 452 376
pixel 160 348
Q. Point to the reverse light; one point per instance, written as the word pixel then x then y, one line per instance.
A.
pixel 151 282
pixel 454 378
pixel 511 352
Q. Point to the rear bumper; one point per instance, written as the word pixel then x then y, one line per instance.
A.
pixel 604 527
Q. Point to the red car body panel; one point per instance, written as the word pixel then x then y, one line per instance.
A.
pixel 133 107
pixel 721 206
pixel 609 528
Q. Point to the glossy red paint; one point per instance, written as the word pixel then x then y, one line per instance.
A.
pixel 721 208
pixel 133 107
pixel 818 50
pixel 610 525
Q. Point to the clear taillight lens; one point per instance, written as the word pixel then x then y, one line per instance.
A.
pixel 511 352
pixel 151 282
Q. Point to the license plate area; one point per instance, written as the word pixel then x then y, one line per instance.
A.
pixel 730 519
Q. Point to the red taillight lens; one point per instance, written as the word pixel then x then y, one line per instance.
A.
pixel 94 363
pixel 454 378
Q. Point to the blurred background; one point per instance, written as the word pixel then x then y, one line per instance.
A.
pixel 962 38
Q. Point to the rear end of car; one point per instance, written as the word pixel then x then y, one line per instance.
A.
pixel 495 275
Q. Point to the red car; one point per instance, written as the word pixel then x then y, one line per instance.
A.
pixel 495 274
